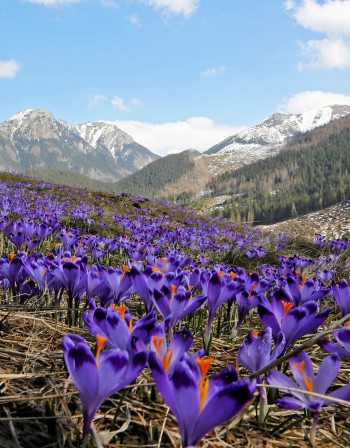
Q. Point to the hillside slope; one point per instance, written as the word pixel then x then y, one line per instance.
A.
pixel 310 173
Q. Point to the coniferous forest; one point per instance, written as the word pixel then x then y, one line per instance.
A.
pixel 310 173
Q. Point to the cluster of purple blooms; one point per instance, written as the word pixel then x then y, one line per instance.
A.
pixel 172 287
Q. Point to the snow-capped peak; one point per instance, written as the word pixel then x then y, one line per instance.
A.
pixel 267 137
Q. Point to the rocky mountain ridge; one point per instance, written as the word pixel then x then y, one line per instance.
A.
pixel 34 139
pixel 266 138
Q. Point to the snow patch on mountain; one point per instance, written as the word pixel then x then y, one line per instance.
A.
pixel 267 137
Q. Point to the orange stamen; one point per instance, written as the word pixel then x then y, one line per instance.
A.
pixel 157 342
pixel 121 310
pixel 11 256
pixel 156 269
pixel 125 268
pixel 347 323
pixel 130 325
pixel 173 289
pixel 286 306
pixel 204 364
pixel 203 392
pixel 309 386
pixel 254 333
pixel 233 275
pixel 100 342
pixel 167 358
pixel 190 287
pixel 221 273
pixel 203 383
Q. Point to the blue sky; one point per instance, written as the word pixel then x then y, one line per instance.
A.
pixel 175 74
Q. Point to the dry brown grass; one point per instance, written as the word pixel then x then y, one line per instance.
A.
pixel 39 406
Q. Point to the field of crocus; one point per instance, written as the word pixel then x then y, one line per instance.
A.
pixel 126 322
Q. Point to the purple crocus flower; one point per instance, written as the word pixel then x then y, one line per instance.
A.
pixel 292 322
pixel 115 324
pixel 98 378
pixel 255 352
pixel 301 368
pixel 170 354
pixel 175 302
pixel 118 282
pixel 341 294
pixel 218 291
pixel 198 403
pixel 308 289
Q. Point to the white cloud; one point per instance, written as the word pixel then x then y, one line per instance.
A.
pixel 304 101
pixel 174 7
pixel 326 53
pixel 135 21
pixel 116 101
pixel 328 16
pixel 213 71
pixel 9 69
pixel 194 133
pixel 331 18
pixel 119 103
pixel 53 2
pixel 97 99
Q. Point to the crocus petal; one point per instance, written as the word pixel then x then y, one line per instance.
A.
pixel 327 373
pixel 194 304
pixel 112 365
pixel 162 382
pixel 221 407
pixel 214 289
pixel 81 365
pixel 343 393
pixel 269 320
pixel 187 399
pixel 343 337
pixel 161 302
pixel 331 347
pixel 278 379
pixel 290 403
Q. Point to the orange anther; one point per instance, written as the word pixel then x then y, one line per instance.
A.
pixel 204 364
pixel 308 382
pixel 167 358
pixel 121 310
pixel 173 289
pixel 286 306
pixel 157 342
pixel 100 342
pixel 233 275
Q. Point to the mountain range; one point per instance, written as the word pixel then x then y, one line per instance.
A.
pixel 266 139
pixel 34 139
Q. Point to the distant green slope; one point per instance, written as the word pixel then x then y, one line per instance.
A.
pixel 155 176
pixel 310 173
pixel 71 179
